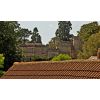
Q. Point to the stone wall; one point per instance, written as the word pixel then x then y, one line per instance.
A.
pixel 77 43
pixel 55 47
pixel 31 50
pixel 64 47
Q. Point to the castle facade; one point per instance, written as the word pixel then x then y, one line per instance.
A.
pixel 53 48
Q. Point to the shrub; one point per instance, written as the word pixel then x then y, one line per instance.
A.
pixel 35 58
pixel 61 57
pixel 1 64
pixel 1 60
pixel 1 73
pixel 39 58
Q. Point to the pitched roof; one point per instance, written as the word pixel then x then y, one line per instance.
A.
pixel 54 70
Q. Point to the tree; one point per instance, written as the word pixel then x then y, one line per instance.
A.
pixel 24 35
pixel 90 47
pixel 63 30
pixel 89 35
pixel 8 42
pixel 87 30
pixel 36 38
pixel 61 57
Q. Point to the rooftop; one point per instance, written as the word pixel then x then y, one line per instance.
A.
pixel 54 70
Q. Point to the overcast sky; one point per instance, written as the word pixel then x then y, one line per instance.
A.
pixel 47 28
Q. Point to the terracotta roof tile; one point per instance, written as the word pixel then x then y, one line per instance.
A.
pixel 54 70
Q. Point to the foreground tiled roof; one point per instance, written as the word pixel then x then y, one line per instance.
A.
pixel 54 70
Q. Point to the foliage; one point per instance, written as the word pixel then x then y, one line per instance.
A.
pixel 8 42
pixel 90 36
pixel 1 64
pixel 63 30
pixel 36 38
pixel 1 73
pixel 87 30
pixel 1 60
pixel 24 35
pixel 61 57
pixel 39 58
pixel 90 47
pixel 35 58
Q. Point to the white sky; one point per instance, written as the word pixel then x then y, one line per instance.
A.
pixel 47 28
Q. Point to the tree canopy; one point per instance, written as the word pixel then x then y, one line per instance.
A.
pixel 90 47
pixel 36 38
pixel 11 36
pixel 8 42
pixel 90 36
pixel 87 30
pixel 24 35
pixel 63 31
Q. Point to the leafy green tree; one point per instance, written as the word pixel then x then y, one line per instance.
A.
pixel 8 42
pixel 89 35
pixel 63 30
pixel 24 35
pixel 61 57
pixel 87 30
pixel 90 47
pixel 36 38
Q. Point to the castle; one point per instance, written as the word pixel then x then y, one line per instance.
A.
pixel 53 48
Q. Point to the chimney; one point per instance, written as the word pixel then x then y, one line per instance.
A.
pixel 98 54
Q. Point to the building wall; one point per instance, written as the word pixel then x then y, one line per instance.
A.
pixel 30 50
pixel 65 47
pixel 77 43
pixel 55 47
